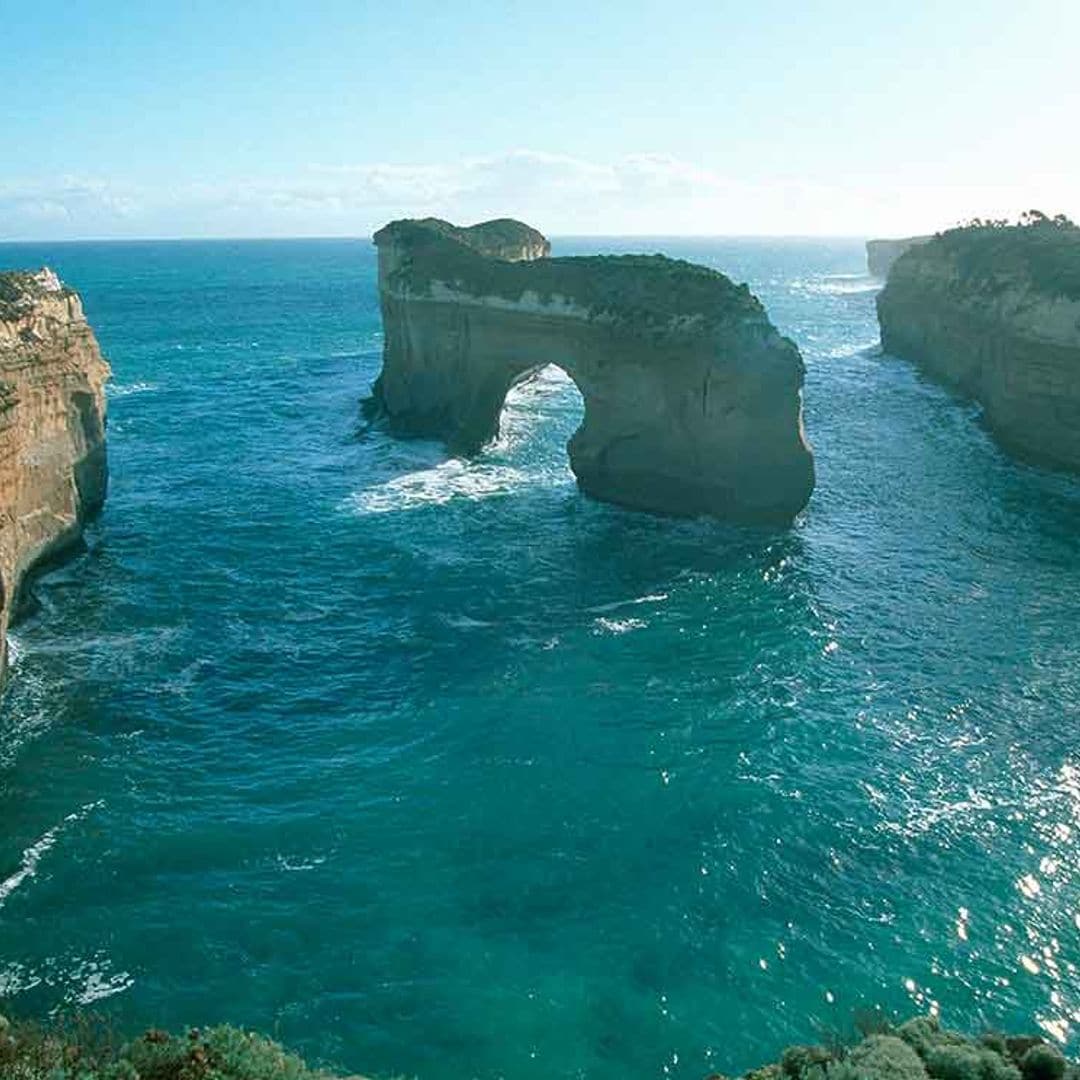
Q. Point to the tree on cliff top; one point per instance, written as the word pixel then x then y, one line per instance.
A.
pixel 1041 251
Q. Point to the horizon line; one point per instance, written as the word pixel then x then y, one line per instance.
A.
pixel 368 238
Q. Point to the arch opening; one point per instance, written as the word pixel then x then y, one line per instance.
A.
pixel 542 411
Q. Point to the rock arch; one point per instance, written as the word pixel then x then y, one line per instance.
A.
pixel 692 398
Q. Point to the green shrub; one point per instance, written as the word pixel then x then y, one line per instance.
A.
pixel 766 1072
pixel 81 1050
pixel 886 1057
pixel 1043 1062
pixel 799 1060
pixel 843 1070
pixel 924 1033
pixel 969 1062
pixel 921 1049
pixel 1042 253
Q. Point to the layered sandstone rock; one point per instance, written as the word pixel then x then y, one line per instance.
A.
pixel 881 254
pixel 995 312
pixel 692 398
pixel 52 428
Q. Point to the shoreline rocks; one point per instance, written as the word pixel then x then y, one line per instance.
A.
pixel 692 398
pixel 53 472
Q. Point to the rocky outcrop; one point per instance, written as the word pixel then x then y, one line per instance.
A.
pixel 995 313
pixel 692 398
pixel 881 254
pixel 52 428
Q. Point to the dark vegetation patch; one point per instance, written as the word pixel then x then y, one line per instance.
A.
pixel 642 289
pixel 86 1049
pixel 499 237
pixel 990 256
pixel 921 1049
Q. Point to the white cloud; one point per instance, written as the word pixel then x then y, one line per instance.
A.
pixel 640 193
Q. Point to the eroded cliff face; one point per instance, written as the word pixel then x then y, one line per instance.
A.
pixel 991 317
pixel 52 428
pixel 692 398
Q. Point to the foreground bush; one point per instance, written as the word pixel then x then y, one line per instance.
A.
pixel 83 1050
pixel 918 1050
pixel 923 1050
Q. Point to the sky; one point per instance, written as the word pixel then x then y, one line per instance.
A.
pixel 582 117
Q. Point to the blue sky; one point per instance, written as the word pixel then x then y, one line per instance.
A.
pixel 758 117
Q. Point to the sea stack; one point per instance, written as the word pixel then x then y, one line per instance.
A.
pixel 693 400
pixel 993 310
pixel 52 428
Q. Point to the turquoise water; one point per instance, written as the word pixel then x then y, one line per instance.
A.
pixel 440 768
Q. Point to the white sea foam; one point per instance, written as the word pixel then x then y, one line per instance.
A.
pixel 33 712
pixel 649 598
pixel 84 980
pixel 526 406
pixel 838 285
pixel 38 849
pixel 14 651
pixel 453 479
pixel 94 981
pixel 617 626
pixel 16 978
pixel 298 863
pixel 115 390
pixel 465 622
pixel 842 351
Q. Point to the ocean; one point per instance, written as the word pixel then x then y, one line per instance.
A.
pixel 439 768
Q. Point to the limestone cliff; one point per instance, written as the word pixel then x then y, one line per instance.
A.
pixel 995 312
pixel 52 428
pixel 881 254
pixel 692 398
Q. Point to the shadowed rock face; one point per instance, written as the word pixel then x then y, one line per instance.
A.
pixel 995 313
pixel 692 398
pixel 52 428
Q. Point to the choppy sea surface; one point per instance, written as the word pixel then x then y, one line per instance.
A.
pixel 437 767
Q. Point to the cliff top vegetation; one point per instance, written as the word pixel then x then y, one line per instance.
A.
pixel 499 237
pixel 641 289
pixel 85 1049
pixel 1041 251
pixel 921 1049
